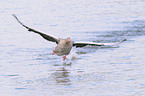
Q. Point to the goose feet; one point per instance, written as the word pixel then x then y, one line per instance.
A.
pixel 64 57
pixel 53 53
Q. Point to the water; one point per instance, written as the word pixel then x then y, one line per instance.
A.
pixel 27 67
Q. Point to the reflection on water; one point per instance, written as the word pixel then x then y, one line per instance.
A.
pixel 62 76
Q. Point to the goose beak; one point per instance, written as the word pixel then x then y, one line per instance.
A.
pixel 68 40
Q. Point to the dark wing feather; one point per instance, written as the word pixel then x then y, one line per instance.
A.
pixel 82 44
pixel 47 37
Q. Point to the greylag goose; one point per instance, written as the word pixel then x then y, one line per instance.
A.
pixel 64 46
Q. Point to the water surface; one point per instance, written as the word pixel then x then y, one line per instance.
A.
pixel 28 69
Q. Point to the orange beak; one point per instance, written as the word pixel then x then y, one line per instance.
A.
pixel 68 40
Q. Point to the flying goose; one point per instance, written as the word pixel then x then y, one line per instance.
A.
pixel 64 46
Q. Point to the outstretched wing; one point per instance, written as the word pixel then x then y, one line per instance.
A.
pixel 82 44
pixel 47 37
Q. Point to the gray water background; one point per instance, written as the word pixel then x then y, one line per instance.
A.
pixel 27 67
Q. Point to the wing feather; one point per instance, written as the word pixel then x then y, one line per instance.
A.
pixel 47 37
pixel 82 44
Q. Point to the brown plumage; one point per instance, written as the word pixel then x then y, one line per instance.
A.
pixel 64 46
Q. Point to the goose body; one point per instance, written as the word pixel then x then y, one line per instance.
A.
pixel 64 46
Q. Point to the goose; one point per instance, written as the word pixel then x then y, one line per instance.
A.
pixel 64 46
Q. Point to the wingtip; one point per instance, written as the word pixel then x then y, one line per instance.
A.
pixel 14 15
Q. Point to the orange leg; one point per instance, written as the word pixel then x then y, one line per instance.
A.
pixel 64 57
pixel 53 53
